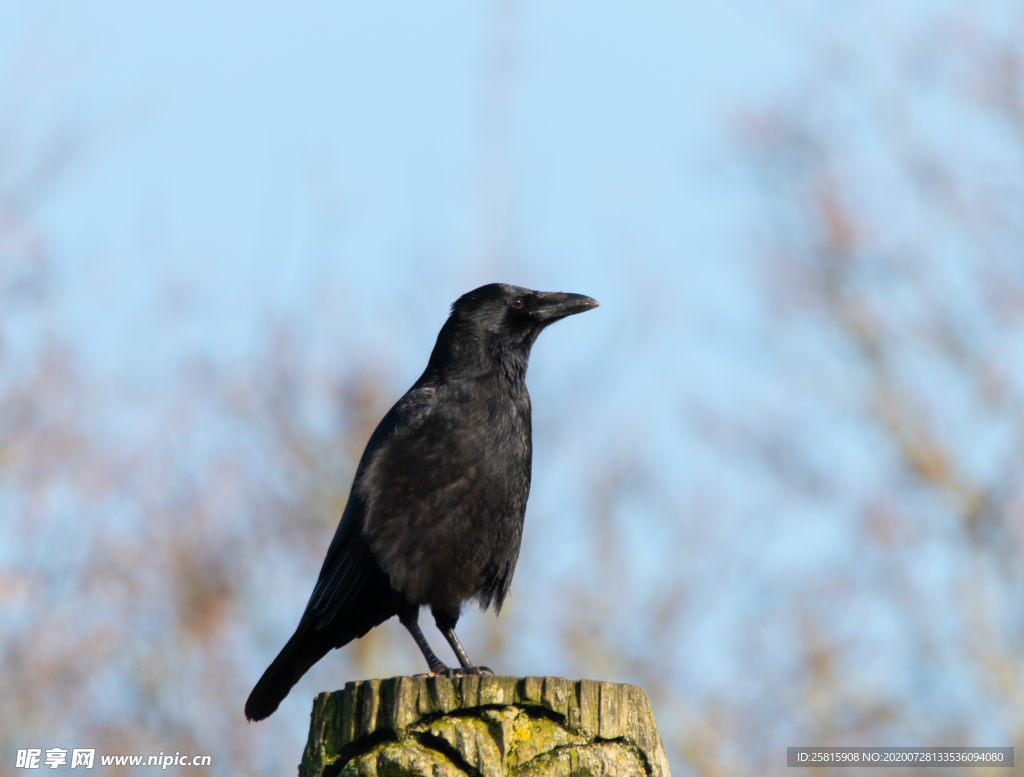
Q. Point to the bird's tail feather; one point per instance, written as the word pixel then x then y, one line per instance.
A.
pixel 305 648
pixel 309 644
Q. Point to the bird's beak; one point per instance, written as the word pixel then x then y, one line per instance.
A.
pixel 556 305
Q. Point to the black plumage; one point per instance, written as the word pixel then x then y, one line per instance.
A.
pixel 435 515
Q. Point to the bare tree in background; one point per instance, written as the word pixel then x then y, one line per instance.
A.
pixel 146 531
pixel 897 262
pixel 46 456
pixel 875 596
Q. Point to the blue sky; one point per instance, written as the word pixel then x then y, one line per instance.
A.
pixel 321 160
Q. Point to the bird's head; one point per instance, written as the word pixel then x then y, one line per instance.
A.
pixel 499 316
pixel 514 314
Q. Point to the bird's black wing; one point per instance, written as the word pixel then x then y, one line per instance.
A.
pixel 350 563
pixel 352 594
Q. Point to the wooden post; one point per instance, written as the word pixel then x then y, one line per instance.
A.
pixel 483 727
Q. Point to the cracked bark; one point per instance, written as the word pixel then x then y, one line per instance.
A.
pixel 483 727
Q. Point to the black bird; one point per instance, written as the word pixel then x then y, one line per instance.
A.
pixel 435 515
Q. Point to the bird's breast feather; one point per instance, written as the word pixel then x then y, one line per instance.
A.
pixel 440 436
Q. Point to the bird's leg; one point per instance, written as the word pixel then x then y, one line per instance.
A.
pixel 447 626
pixel 410 619
pixel 467 665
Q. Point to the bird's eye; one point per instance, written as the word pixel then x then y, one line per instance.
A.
pixel 517 303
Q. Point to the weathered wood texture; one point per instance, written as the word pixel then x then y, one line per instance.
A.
pixel 483 727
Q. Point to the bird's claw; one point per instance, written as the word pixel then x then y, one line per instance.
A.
pixel 474 671
pixel 469 671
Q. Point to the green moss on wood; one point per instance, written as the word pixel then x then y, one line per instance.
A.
pixel 483 727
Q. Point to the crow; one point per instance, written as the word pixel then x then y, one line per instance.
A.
pixel 435 514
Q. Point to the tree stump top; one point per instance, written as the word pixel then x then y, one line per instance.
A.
pixel 483 727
